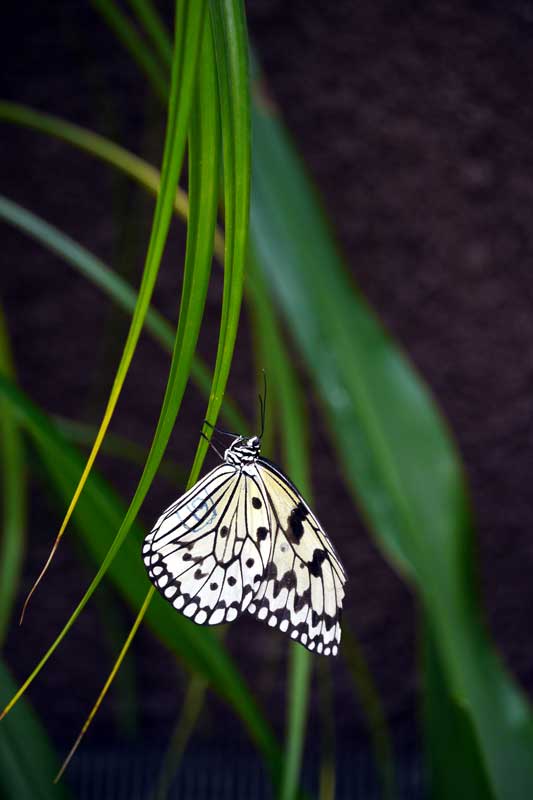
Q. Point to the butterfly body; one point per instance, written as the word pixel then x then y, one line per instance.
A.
pixel 243 539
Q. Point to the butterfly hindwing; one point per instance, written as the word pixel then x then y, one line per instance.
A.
pixel 199 555
pixel 302 588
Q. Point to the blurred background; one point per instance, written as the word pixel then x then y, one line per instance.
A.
pixel 414 121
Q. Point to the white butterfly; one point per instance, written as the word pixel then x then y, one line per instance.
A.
pixel 244 539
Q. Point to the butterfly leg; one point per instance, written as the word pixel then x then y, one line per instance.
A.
pixel 211 445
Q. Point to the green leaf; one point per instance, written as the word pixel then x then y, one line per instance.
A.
pixel 294 428
pixel 28 762
pixel 394 448
pixel 14 494
pixel 189 25
pixel 132 41
pixel 454 761
pixel 113 285
pixel 228 25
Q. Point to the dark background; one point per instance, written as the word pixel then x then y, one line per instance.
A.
pixel 415 121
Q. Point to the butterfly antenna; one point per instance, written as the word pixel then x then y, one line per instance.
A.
pixel 262 405
pixel 220 430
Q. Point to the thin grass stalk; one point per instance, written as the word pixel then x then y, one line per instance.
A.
pixel 126 33
pixel 294 430
pixel 174 146
pixel 189 25
pixel 115 287
pixel 14 493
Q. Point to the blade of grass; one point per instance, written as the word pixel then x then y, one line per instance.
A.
pixel 203 188
pixel 228 24
pixel 109 681
pixel 374 714
pixel 327 772
pixel 294 429
pixel 115 287
pixel 191 709
pixel 95 145
pixel 189 24
pixel 120 447
pixel 387 431
pixel 14 494
pixel 125 32
pixel 27 758
pixel 229 36
pixel 114 630
pixel 154 28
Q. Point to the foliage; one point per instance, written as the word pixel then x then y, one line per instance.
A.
pixel 384 426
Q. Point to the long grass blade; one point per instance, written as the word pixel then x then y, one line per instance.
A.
pixel 189 25
pixel 193 703
pixel 116 288
pixel 14 493
pixel 228 24
pixel 109 681
pixel 119 447
pixel 373 711
pixel 126 33
pixel 154 28
pixel 28 761
pixel 203 188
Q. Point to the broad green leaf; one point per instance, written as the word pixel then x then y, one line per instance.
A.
pixel 455 763
pixel 394 448
pixel 28 762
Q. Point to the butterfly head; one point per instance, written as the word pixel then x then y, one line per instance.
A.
pixel 243 451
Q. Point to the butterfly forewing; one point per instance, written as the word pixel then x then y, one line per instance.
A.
pixel 302 589
pixel 198 554
pixel 243 539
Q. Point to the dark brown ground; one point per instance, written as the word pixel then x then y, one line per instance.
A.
pixel 415 120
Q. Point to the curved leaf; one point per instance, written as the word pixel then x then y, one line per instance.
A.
pixel 395 450
pixel 115 287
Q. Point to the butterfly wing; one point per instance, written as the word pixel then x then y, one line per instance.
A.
pixel 302 588
pixel 199 554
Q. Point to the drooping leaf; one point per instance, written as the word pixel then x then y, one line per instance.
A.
pixel 394 448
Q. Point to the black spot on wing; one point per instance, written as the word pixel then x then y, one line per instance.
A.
pixel 288 581
pixel 315 565
pixel 262 533
pixel 302 600
pixel 256 502
pixel 295 528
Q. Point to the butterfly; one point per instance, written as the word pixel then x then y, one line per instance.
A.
pixel 244 539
